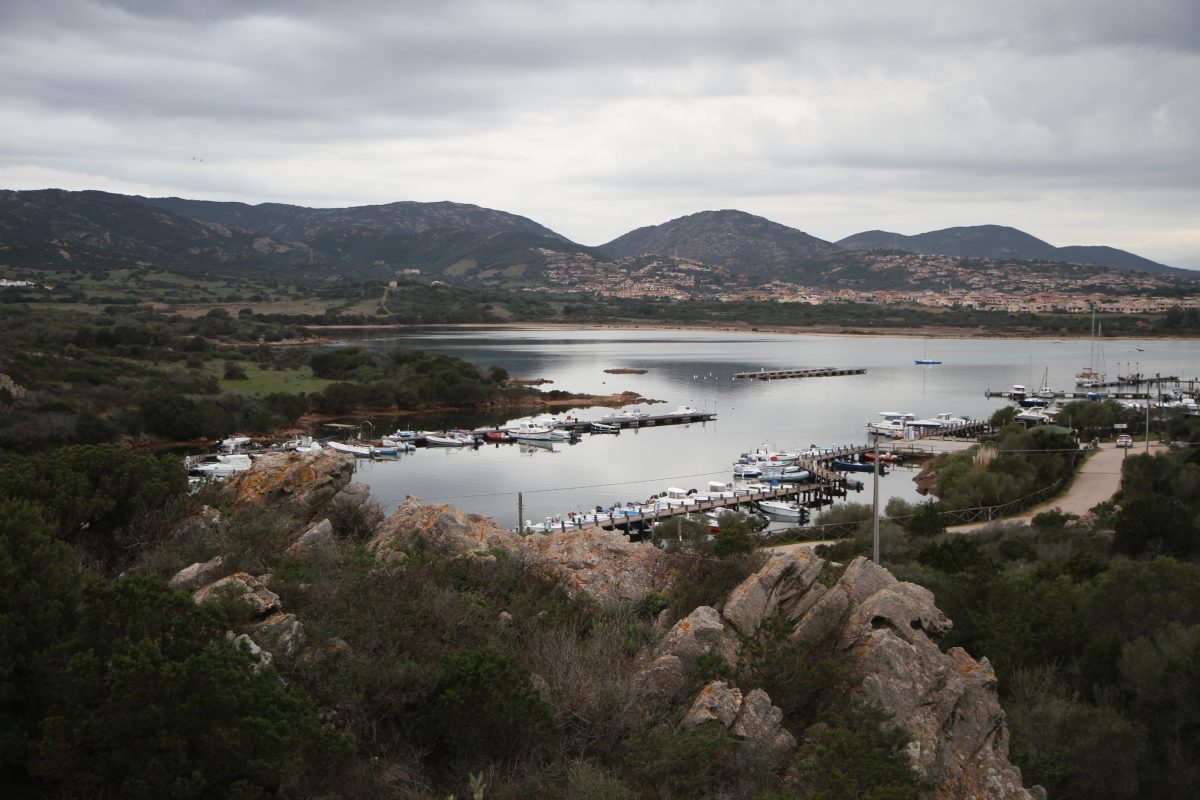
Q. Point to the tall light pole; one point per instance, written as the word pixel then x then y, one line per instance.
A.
pixel 875 498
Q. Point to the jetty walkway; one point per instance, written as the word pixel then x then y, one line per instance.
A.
pixel 812 372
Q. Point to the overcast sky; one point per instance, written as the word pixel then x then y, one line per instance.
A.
pixel 1075 120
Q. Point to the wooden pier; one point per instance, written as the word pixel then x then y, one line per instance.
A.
pixel 647 421
pixel 805 493
pixel 814 372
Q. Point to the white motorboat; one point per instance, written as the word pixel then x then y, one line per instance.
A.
pixel 685 411
pixel 301 444
pixel 601 427
pixel 233 443
pixel 400 445
pixel 631 414
pixel 788 510
pixel 746 471
pixel 1033 416
pixel 358 450
pixel 223 466
pixel 530 430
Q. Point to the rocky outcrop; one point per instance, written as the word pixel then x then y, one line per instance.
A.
pixel 191 578
pixel 279 633
pixel 296 484
pixel 315 545
pixel 443 528
pixel 887 632
pixel 602 564
pixel 243 588
pixel 753 719
pixel 786 584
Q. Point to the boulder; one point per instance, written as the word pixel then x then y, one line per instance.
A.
pixel 244 588
pixel 786 584
pixel 261 657
pixel 279 633
pixel 716 701
pixel 314 545
pixel 602 564
pixel 761 723
pixel 296 484
pixel 752 718
pixel 664 677
pixel 192 578
pixel 444 528
pixel 700 633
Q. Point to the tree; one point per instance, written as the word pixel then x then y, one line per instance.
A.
pixel 487 709
pixel 91 493
pixel 39 587
pixel 151 700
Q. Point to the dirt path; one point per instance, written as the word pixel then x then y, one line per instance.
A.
pixel 1098 480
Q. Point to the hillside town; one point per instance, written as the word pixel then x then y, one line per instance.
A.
pixel 934 281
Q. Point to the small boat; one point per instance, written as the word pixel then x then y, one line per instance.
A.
pixel 528 430
pixel 601 427
pixel 631 414
pixel 884 458
pixel 854 466
pixel 358 450
pixel 399 445
pixel 223 466
pixel 925 359
pixel 447 440
pixel 233 443
pixel 685 411
pixel 497 436
pixel 301 444
pixel 783 509
pixel 746 471
pixel 1017 392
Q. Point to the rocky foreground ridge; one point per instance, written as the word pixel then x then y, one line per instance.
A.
pixel 886 630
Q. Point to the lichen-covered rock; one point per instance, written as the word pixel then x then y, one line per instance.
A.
pixel 665 677
pixel 700 633
pixel 297 484
pixel 786 584
pixel 193 577
pixel 262 658
pixel 752 719
pixel 314 545
pixel 444 528
pixel 279 633
pixel 243 588
pixel 946 702
pixel 717 701
pixel 601 564
pixel 760 722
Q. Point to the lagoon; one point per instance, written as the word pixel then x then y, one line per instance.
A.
pixel 696 368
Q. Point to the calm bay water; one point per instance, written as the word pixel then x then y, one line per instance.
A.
pixel 696 369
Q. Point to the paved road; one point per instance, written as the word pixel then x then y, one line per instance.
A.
pixel 1097 480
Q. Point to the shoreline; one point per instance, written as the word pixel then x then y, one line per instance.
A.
pixel 924 332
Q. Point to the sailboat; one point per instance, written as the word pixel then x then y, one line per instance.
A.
pixel 926 359
pixel 1092 375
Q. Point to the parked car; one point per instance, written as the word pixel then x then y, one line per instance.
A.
pixel 1124 440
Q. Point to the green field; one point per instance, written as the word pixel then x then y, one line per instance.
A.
pixel 261 382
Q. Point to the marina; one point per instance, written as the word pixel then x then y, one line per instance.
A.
pixel 693 370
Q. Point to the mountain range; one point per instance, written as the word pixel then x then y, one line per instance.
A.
pixel 456 242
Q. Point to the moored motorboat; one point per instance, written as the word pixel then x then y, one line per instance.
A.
pixel 359 450
pixel 788 510
pixel 221 466
pixel 602 427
